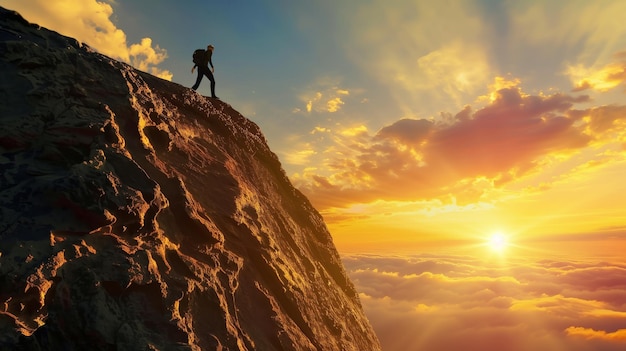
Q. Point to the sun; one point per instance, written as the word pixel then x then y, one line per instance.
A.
pixel 497 242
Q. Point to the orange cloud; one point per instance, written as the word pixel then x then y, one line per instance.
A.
pixel 89 22
pixel 422 159
pixel 603 119
pixel 589 333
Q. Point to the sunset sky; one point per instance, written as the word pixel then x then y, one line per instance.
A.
pixel 423 126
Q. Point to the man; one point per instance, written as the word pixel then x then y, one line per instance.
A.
pixel 203 70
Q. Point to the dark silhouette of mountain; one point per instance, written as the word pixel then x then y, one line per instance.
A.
pixel 136 214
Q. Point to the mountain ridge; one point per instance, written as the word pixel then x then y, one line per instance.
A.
pixel 138 214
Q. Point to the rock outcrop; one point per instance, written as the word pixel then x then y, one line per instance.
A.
pixel 136 214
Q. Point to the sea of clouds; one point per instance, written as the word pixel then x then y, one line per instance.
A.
pixel 450 302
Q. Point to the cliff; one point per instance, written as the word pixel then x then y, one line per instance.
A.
pixel 136 214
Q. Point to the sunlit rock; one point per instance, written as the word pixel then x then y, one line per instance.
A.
pixel 136 214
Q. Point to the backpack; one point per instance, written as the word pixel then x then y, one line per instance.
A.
pixel 198 56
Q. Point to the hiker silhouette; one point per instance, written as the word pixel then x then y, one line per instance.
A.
pixel 201 60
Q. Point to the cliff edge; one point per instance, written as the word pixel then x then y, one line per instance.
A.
pixel 136 214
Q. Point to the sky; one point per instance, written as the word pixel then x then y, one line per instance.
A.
pixel 468 156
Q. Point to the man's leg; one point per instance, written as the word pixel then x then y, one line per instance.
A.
pixel 195 86
pixel 213 87
pixel 212 79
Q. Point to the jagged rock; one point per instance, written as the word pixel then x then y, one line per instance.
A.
pixel 136 214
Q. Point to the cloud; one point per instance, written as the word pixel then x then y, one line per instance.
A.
pixel 334 104
pixel 448 302
pixel 146 58
pixel 601 79
pixel 468 154
pixel 90 22
pixel 588 333
pixel 407 131
pixel 324 96
pixel 456 70
pixel 301 156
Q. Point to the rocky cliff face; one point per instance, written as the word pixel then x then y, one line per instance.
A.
pixel 136 214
